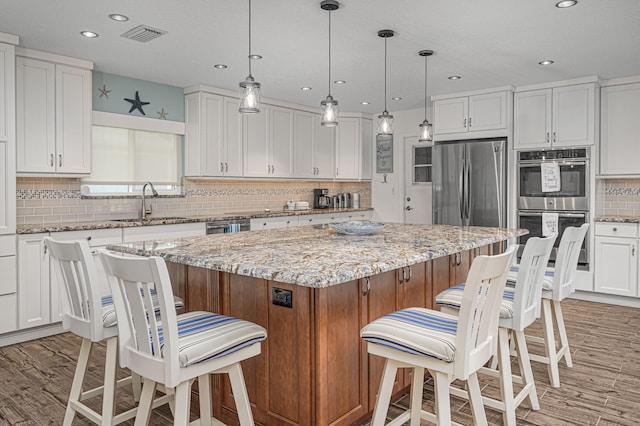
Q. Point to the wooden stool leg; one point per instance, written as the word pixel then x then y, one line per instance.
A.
pixel 384 393
pixel 78 381
pixel 525 368
pixel 109 395
pixel 240 395
pixel 146 400
pixel 475 400
pixel 506 380
pixel 562 331
pixel 550 343
pixel 204 391
pixel 443 400
pixel 415 404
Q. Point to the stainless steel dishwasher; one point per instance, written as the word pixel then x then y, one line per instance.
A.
pixel 222 226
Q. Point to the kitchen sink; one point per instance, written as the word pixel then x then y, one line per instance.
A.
pixel 149 219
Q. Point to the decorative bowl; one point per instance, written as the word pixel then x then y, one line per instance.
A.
pixel 357 227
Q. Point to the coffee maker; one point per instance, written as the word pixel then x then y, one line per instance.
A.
pixel 320 198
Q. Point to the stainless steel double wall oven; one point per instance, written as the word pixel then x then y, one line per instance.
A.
pixel 571 202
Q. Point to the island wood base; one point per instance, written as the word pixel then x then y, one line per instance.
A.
pixel 314 369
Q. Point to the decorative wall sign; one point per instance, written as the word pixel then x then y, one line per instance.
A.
pixel 104 92
pixel 384 153
pixel 136 104
pixel 162 114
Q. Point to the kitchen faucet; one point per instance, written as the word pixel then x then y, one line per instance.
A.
pixel 145 212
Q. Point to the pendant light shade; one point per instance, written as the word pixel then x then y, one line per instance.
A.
pixel 249 89
pixel 385 120
pixel 426 131
pixel 329 106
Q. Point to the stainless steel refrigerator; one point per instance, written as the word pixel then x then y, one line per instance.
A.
pixel 469 182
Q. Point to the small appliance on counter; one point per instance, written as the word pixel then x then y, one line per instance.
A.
pixel 321 198
pixel 355 200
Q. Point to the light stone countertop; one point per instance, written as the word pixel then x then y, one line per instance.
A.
pixel 106 224
pixel 619 219
pixel 317 256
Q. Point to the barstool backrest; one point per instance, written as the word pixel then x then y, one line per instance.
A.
pixel 476 335
pixel 146 341
pixel 567 261
pixel 528 290
pixel 80 294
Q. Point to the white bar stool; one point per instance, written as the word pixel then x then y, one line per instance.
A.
pixel 520 306
pixel 449 347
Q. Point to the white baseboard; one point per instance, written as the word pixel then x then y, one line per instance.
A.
pixel 30 334
pixel 611 299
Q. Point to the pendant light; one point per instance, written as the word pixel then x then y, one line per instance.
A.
pixel 329 105
pixel 249 89
pixel 426 131
pixel 385 120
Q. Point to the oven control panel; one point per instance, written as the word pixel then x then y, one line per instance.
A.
pixel 556 154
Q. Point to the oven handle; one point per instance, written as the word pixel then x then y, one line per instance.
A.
pixel 562 163
pixel 574 215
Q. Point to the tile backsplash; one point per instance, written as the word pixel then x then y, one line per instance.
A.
pixel 621 197
pixel 47 200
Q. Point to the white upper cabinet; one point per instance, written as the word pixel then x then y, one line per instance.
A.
pixel 354 146
pixel 313 147
pixel 268 142
pixel 555 117
pixel 463 114
pixel 7 140
pixel 53 117
pixel 620 111
pixel 213 144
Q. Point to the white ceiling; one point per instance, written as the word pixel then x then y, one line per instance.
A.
pixel 489 43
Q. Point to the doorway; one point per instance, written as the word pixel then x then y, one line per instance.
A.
pixel 417 181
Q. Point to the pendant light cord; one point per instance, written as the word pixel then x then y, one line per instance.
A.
pixel 425 86
pixel 329 53
pixel 249 38
pixel 385 74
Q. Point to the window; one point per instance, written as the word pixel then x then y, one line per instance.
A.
pixel 421 164
pixel 124 159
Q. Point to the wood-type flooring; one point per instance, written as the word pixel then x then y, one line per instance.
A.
pixel 603 387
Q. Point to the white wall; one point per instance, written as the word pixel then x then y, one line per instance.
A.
pixel 386 198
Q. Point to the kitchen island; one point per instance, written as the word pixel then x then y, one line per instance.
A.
pixel 313 290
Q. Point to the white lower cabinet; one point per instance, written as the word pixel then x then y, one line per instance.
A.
pixel 163 232
pixel 273 222
pixel 34 296
pixel 616 258
pixel 8 284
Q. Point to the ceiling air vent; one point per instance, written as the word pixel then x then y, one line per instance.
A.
pixel 143 33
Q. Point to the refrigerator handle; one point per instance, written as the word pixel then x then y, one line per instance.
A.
pixel 467 197
pixel 461 190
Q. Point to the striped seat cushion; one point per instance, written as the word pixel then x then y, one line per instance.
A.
pixel 109 311
pixel 205 335
pixel 417 331
pixel 547 281
pixel 452 297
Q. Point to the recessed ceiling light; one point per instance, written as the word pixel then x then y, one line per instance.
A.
pixel 305 88
pixel 546 62
pixel 339 82
pixel 220 66
pixel 88 34
pixel 396 98
pixel 566 3
pixel 364 103
pixel 255 56
pixel 118 17
pixel 454 77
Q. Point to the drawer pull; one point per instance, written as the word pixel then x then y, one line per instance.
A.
pixel 615 229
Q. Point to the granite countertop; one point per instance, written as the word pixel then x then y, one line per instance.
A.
pixel 620 219
pixel 317 256
pixel 106 224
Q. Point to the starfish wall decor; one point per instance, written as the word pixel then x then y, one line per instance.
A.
pixel 104 92
pixel 136 104
pixel 162 114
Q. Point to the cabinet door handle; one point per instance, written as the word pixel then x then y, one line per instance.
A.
pixel 555 137
pixel 273 169
pixel 51 160
pixel 365 292
pixel 465 123
pixel 226 167
pixel 59 160
pixel 337 174
pixel 547 137
pixel 410 273
pixel 633 251
pixel 221 167
pixel 45 249
pixel 401 278
pixel 469 122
